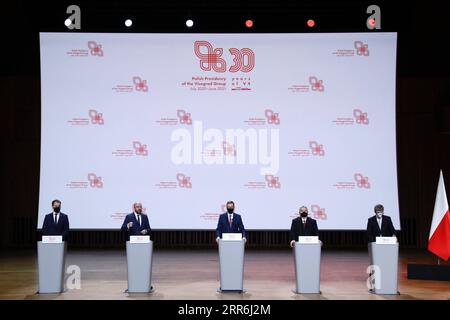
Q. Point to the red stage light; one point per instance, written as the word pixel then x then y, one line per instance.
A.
pixel 310 23
pixel 249 23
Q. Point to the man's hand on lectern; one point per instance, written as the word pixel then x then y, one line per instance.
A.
pixel 217 239
pixel 292 243
pixel 144 231
pixel 129 225
pixel 245 239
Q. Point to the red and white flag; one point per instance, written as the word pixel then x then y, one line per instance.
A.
pixel 439 239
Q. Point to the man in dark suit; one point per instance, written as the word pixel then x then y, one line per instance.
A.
pixel 379 225
pixel 303 226
pixel 136 223
pixel 56 223
pixel 230 222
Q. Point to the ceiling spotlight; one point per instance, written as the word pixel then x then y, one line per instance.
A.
pixel 67 22
pixel 310 23
pixel 249 23
pixel 189 23
pixel 128 23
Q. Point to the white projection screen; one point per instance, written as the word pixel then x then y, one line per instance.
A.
pixel 184 122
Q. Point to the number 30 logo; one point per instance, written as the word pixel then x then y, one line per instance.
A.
pixel 244 59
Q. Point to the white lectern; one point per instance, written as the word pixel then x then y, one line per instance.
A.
pixel 231 260
pixel 139 264
pixel 384 262
pixel 51 265
pixel 307 265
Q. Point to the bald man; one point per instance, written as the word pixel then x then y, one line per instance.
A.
pixel 136 223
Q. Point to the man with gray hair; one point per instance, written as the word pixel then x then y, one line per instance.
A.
pixel 379 225
pixel 136 223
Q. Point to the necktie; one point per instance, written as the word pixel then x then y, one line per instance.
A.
pixel 229 220
pixel 56 218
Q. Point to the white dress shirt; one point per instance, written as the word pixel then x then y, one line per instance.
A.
pixel 380 221
pixel 138 219
pixel 57 217
pixel 230 217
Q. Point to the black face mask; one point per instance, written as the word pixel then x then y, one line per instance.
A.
pixel 230 210
pixel 304 214
pixel 57 209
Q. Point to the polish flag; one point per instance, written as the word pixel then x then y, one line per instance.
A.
pixel 439 239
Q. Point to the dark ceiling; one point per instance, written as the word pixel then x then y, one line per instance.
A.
pixel 423 26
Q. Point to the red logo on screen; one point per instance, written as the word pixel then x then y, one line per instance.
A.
pixel 184 117
pixel 272 117
pixel 316 84
pixel 228 149
pixel 362 49
pixel 319 213
pixel 95 181
pixel 211 59
pixel 273 181
pixel 96 49
pixel 140 149
pixel 184 181
pixel 239 60
pixel 362 181
pixel 140 84
pixel 96 117
pixel 316 149
pixel 360 116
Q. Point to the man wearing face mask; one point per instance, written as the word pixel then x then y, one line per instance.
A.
pixel 56 223
pixel 136 223
pixel 379 225
pixel 230 222
pixel 303 226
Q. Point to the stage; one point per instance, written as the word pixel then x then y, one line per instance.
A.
pixel 194 275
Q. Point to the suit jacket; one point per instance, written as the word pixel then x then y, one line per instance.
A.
pixel 373 230
pixel 298 229
pixel 224 227
pixel 49 228
pixel 136 229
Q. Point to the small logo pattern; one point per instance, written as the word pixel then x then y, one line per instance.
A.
pixel 316 84
pixel 184 117
pixel 184 181
pixel 360 117
pixel 140 84
pixel 362 181
pixel 362 49
pixel 316 148
pixel 95 181
pixel 273 181
pixel 96 117
pixel 228 149
pixel 95 49
pixel 318 212
pixel 140 149
pixel 272 117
